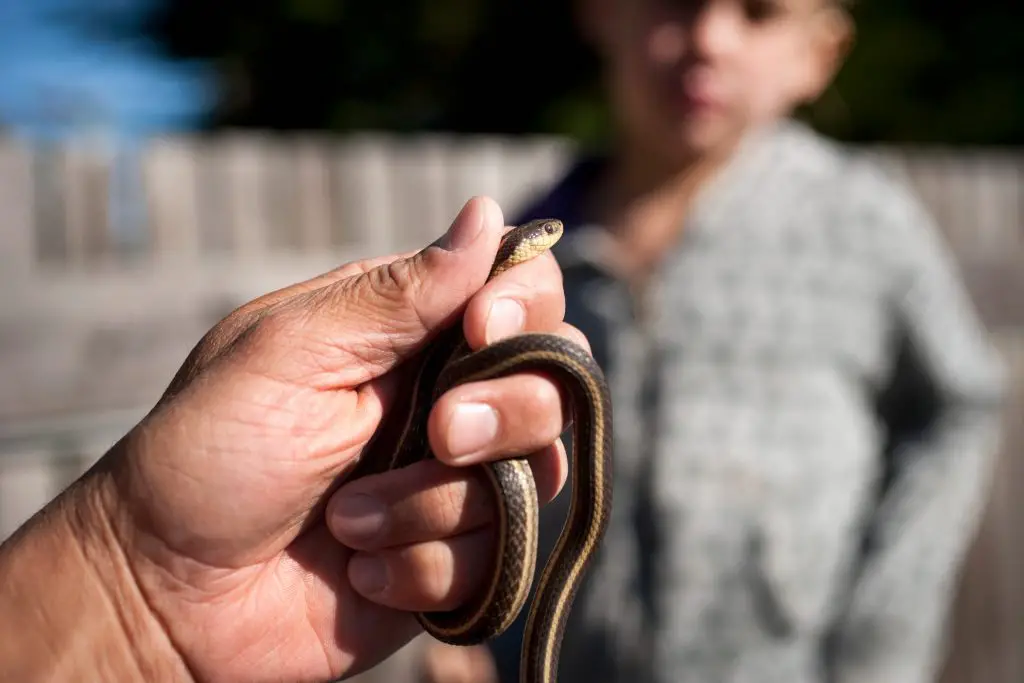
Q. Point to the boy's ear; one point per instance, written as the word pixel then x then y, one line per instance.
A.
pixel 831 43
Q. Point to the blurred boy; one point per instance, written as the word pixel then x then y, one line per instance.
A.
pixel 806 405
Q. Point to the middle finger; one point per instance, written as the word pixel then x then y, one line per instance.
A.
pixel 428 501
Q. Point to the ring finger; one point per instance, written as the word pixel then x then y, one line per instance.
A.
pixel 431 576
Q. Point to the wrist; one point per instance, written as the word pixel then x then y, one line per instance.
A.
pixel 69 605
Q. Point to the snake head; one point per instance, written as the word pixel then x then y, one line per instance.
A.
pixel 526 241
pixel 545 229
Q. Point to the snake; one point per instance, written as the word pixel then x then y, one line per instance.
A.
pixel 446 361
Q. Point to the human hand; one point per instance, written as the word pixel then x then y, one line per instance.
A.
pixel 215 508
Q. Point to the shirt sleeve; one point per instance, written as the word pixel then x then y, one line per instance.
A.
pixel 943 415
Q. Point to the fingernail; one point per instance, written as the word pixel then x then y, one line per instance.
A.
pixel 505 318
pixel 359 515
pixel 368 574
pixel 472 427
pixel 465 229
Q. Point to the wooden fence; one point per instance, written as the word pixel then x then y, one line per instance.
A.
pixel 113 262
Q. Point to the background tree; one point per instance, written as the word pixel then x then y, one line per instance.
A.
pixel 919 72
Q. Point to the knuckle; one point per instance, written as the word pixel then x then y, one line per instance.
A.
pixel 268 337
pixel 396 283
pixel 390 298
pixel 553 278
pixel 546 394
pixel 533 291
pixel 543 400
pixel 434 565
pixel 576 335
pixel 446 504
pixel 278 343
pixel 274 326
pixel 544 270
pixel 218 339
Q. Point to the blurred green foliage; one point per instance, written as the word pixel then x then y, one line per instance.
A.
pixel 919 72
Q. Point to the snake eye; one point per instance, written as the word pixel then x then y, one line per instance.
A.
pixel 549 229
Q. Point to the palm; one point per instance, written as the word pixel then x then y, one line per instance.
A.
pixel 294 615
pixel 255 587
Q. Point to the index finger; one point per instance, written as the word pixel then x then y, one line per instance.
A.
pixel 535 286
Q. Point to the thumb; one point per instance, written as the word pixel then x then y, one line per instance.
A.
pixel 374 320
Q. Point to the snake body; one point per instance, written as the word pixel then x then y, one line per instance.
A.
pixel 446 362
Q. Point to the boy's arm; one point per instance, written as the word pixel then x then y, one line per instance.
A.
pixel 893 627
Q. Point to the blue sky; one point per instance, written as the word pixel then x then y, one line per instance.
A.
pixel 51 77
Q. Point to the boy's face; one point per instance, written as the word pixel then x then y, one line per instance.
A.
pixel 689 77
